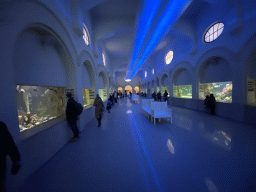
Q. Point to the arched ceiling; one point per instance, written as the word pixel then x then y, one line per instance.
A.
pixel 114 25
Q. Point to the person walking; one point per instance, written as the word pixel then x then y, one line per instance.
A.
pixel 99 108
pixel 72 116
pixel 116 96
pixel 8 147
pixel 159 96
pixel 165 95
pixel 112 99
pixel 109 103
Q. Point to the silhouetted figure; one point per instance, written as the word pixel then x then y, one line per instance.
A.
pixel 7 147
pixel 99 108
pixel 212 104
pixel 109 104
pixel 154 96
pixel 112 99
pixel 165 95
pixel 71 115
pixel 207 101
pixel 159 96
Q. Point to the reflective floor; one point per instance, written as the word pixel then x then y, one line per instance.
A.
pixel 197 152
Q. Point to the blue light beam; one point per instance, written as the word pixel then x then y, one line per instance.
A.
pixel 144 22
pixel 171 14
pixel 146 153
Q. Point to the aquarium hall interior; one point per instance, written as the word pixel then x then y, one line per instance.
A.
pixel 182 142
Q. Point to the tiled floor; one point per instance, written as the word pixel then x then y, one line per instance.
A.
pixel 197 152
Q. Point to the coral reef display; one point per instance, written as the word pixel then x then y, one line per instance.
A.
pixel 222 91
pixel 182 91
pixel 38 104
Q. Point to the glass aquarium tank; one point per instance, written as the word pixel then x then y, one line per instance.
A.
pixel 38 104
pixel 222 91
pixel 86 97
pixel 103 94
pixel 163 90
pixel 182 91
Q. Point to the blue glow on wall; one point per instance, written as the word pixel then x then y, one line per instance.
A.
pixel 147 14
pixel 173 11
pixel 63 9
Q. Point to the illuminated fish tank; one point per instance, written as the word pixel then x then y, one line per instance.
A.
pixel 182 91
pixel 38 104
pixel 103 94
pixel 222 91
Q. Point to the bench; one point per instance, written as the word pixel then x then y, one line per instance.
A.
pixel 146 106
pixel 160 110
pixel 135 98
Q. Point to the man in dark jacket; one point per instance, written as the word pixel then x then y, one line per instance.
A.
pixel 7 147
pixel 154 96
pixel 72 117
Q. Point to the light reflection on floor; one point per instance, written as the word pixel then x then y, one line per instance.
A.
pixel 130 153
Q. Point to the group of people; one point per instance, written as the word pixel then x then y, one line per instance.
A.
pixel 72 115
pixel 112 100
pixel 158 96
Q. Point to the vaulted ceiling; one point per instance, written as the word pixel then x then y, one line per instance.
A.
pixel 115 22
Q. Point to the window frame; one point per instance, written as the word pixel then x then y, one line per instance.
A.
pixel 207 30
pixel 85 31
pixel 104 58
pixel 166 56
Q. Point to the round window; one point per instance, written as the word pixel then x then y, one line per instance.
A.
pixel 169 57
pixel 213 32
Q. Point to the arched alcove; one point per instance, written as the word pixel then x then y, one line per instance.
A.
pixel 120 89
pixel 164 84
pixel 128 89
pixel 89 72
pixel 215 77
pixel 182 84
pixel 103 86
pixel 88 83
pixel 136 89
pixel 43 71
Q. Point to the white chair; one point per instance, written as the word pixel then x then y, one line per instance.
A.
pixel 160 110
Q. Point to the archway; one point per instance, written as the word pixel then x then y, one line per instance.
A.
pixel 120 89
pixel 164 84
pixel 136 89
pixel 215 77
pixel 128 89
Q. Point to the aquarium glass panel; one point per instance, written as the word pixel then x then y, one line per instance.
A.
pixel 38 104
pixel 103 94
pixel 182 91
pixel 163 90
pixel 222 91
pixel 86 97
